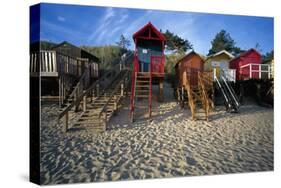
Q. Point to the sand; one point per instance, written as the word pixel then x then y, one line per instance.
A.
pixel 168 146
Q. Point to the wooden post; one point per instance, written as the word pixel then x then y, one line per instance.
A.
pixel 75 98
pixel 104 120
pixel 259 71
pixel 122 89
pixel 115 102
pixel 97 90
pixel 178 95
pixel 250 71
pixel 269 70
pixel 182 96
pixel 84 103
pixel 161 93
pixel 60 103
pixel 66 122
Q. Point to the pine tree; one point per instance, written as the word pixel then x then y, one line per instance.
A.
pixel 223 41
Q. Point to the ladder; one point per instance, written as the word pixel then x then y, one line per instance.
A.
pixel 141 90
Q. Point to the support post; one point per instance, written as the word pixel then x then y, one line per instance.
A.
pixel 269 71
pixel 76 97
pixel 66 122
pixel 182 96
pixel 250 71
pixel 60 102
pixel 122 89
pixel 84 103
pixel 260 71
pixel 160 92
pixel 97 90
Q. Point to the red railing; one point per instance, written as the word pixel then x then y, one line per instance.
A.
pixel 134 74
pixel 157 64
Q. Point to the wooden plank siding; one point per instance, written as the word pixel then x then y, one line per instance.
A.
pixel 54 64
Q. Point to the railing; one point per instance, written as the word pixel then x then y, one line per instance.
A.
pixel 255 71
pixel 52 64
pixel 112 95
pixel 81 85
pixel 230 74
pixel 43 62
pixel 134 77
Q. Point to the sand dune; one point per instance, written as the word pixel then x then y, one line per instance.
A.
pixel 170 145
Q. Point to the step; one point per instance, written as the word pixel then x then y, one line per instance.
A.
pixel 143 81
pixel 140 86
pixel 142 96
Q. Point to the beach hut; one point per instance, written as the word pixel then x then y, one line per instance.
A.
pixel 71 50
pixel 247 65
pixel 220 61
pixel 192 63
pixel 148 64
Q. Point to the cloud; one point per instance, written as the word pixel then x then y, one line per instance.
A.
pixel 61 19
pixel 111 22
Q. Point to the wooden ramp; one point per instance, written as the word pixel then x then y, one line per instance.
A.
pixel 200 95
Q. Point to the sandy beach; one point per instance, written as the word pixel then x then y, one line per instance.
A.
pixel 170 145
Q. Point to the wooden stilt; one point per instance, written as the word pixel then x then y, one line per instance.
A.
pixel 122 89
pixel 66 122
pixel 161 93
pixel 60 95
pixel 84 103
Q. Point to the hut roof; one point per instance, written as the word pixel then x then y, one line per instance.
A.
pixel 188 54
pixel 221 52
pixel 243 54
pixel 151 27
pixel 65 43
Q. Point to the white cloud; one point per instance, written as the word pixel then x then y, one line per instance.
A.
pixel 61 19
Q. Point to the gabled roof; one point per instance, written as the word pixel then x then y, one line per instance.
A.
pixel 153 28
pixel 73 46
pixel 243 54
pixel 221 52
pixel 188 54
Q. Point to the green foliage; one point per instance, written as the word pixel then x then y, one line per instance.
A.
pixel 175 43
pixel 268 56
pixel 170 62
pixel 109 55
pixel 223 41
pixel 123 42
pixel 46 45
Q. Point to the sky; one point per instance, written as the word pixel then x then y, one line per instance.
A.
pixel 96 26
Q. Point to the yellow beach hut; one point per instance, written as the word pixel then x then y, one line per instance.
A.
pixel 220 61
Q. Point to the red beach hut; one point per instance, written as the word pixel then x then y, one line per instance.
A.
pixel 247 65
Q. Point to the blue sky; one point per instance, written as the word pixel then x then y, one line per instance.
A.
pixel 90 25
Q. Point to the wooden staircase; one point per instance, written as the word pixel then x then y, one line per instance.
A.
pixel 99 101
pixel 102 108
pixel 199 97
pixel 142 89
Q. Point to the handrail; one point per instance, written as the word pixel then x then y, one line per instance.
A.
pixel 80 98
pixel 231 92
pixel 113 93
pixel 79 83
pixel 200 75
